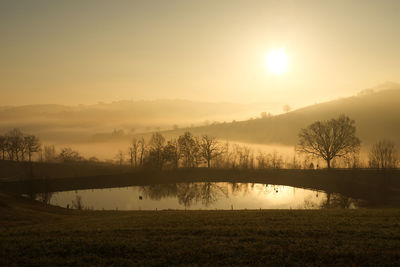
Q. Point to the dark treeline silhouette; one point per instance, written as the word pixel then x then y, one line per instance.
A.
pixel 189 151
pixel 339 148
pixel 15 145
pixel 333 141
pixel 18 146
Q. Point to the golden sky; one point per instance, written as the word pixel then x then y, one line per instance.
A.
pixel 72 52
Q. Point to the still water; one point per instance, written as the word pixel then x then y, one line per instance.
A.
pixel 195 196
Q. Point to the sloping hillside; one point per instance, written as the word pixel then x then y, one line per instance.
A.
pixel 377 115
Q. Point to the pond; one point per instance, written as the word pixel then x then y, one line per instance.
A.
pixel 197 196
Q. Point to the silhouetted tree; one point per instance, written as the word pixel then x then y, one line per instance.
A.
pixel 383 155
pixel 156 146
pixel 189 147
pixel 15 144
pixel 261 161
pixel 171 154
pixel 210 148
pixel 142 150
pixel 69 155
pixel 329 139
pixel 133 152
pixel 32 145
pixel 244 154
pixel 276 160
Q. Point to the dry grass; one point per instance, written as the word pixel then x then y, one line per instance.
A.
pixel 34 234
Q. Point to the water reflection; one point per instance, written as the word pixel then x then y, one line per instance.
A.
pixel 187 194
pixel 335 201
pixel 199 196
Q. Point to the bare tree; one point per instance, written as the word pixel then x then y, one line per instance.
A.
pixel 210 148
pixel 134 152
pixel 276 160
pixel 172 154
pixel 69 155
pixel 15 142
pixel 329 139
pixel 156 146
pixel 261 160
pixel 16 145
pixel 32 145
pixel 189 147
pixel 142 150
pixel 244 156
pixel 383 155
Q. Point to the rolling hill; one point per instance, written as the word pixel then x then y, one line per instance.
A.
pixel 376 113
pixel 82 123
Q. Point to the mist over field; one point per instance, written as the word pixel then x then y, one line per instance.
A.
pixel 102 130
pixel 102 121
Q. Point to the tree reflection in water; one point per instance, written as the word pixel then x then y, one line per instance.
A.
pixel 337 201
pixel 332 201
pixel 211 194
pixel 243 188
pixel 159 191
pixel 188 194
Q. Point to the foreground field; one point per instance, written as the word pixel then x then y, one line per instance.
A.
pixel 35 234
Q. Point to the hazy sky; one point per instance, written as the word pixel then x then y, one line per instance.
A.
pixel 75 52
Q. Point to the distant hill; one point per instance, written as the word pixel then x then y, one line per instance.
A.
pixel 376 113
pixel 81 123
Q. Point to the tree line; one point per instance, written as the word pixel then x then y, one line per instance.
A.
pixel 333 141
pixel 17 146
pixel 189 151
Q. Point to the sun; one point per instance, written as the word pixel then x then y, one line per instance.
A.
pixel 276 62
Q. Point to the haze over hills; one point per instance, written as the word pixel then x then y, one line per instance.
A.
pixel 376 112
pixel 59 123
pixel 103 129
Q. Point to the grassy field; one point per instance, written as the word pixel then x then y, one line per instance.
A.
pixel 34 234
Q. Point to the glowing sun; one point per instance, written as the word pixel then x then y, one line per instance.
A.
pixel 276 62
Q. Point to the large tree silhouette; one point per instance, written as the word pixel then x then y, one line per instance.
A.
pixel 329 139
pixel 209 148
